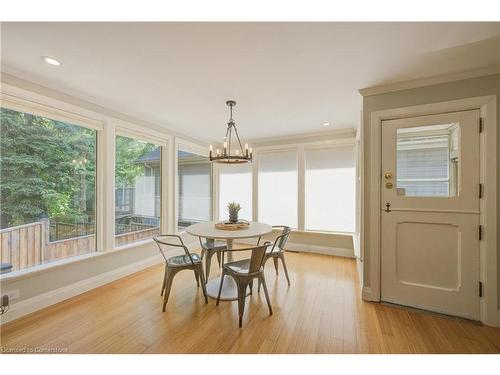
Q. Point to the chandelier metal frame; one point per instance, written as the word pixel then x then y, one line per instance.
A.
pixel 226 156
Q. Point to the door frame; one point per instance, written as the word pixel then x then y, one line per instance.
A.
pixel 488 205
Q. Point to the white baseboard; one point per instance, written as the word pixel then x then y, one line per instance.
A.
pixel 30 305
pixel 359 266
pixel 368 295
pixel 305 248
pixel 327 250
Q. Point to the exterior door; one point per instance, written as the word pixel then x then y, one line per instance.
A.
pixel 430 213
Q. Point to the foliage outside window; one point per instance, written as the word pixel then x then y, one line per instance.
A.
pixel 47 194
pixel 137 190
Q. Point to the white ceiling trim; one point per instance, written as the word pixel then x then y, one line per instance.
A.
pixel 429 81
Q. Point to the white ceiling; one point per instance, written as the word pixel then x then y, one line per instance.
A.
pixel 288 78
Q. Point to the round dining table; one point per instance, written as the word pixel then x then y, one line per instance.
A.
pixel 208 230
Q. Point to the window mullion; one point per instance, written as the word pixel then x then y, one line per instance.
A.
pixel 301 188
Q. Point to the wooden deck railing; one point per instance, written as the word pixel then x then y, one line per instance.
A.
pixel 25 245
pixel 28 245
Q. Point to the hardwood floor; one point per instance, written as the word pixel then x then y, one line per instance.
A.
pixel 320 313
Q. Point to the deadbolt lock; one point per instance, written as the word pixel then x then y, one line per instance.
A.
pixel 388 185
pixel 387 175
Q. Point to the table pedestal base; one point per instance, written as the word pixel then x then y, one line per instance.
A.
pixel 229 289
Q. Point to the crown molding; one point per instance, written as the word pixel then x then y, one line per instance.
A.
pixel 429 81
pixel 347 133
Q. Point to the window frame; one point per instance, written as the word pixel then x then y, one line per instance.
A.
pixel 329 146
pixel 36 108
pixel 182 144
pixel 448 179
pixel 129 130
pixel 300 146
pixel 300 172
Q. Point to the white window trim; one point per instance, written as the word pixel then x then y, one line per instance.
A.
pixel 130 130
pixel 24 104
pixel 300 148
pixel 107 127
pixel 198 149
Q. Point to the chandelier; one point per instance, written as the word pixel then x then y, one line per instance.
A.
pixel 231 154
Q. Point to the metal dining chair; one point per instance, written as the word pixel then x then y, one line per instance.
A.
pixel 244 272
pixel 277 251
pixel 189 261
pixel 209 247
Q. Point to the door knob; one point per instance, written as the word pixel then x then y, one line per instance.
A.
pixel 387 207
pixel 387 175
pixel 388 185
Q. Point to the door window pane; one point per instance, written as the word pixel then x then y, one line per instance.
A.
pixel 137 190
pixel 194 188
pixel 235 184
pixel 428 160
pixel 330 189
pixel 278 182
pixel 47 172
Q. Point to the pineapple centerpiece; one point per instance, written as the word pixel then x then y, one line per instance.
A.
pixel 233 209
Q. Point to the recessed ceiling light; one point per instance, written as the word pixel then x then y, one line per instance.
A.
pixel 326 124
pixel 51 61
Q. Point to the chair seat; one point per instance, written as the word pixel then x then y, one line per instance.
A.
pixel 214 245
pixel 239 266
pixel 271 252
pixel 183 260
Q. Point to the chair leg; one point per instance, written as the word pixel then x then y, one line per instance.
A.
pixel 218 258
pixel 168 286
pixel 242 288
pixel 203 287
pixel 267 294
pixel 197 277
pixel 250 285
pixel 263 267
pixel 220 287
pixel 282 257
pixel 164 281
pixel 275 260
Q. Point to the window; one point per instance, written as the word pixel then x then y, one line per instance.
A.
pixel 278 182
pixel 427 160
pixel 194 189
pixel 235 184
pixel 137 190
pixel 330 189
pixel 47 189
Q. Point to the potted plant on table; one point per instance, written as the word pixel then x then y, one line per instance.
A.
pixel 233 209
